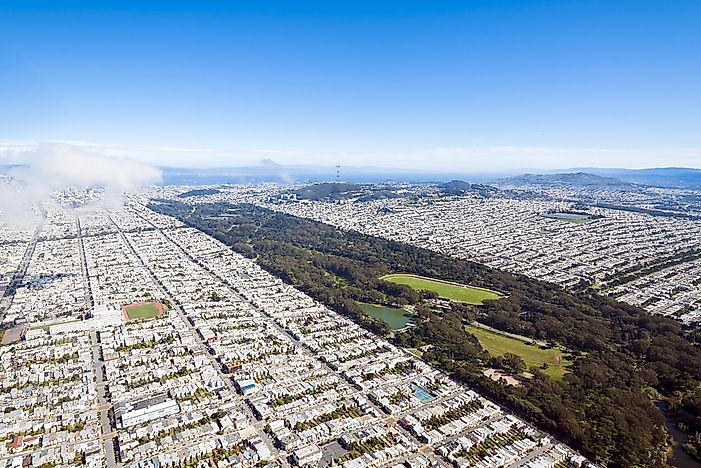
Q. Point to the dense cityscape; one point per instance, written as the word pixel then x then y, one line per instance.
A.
pixel 151 343
pixel 350 233
pixel 236 367
pixel 529 236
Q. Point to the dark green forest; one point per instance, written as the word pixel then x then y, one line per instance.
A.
pixel 624 358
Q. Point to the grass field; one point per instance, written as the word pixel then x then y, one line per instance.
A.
pixel 569 217
pixel 143 311
pixel 446 290
pixel 577 220
pixel 415 352
pixel 532 355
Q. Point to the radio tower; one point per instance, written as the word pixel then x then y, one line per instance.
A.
pixel 338 172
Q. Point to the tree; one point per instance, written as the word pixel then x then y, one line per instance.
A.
pixel 512 363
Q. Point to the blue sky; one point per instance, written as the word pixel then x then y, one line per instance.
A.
pixel 434 84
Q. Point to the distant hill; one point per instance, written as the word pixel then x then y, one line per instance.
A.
pixel 660 177
pixel 460 187
pixel 199 193
pixel 328 190
pixel 680 177
pixel 566 178
pixel 345 191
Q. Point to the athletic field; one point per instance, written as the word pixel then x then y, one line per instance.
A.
pixel 145 310
pixel 497 344
pixel 445 289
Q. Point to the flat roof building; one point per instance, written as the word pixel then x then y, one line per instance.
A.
pixel 135 413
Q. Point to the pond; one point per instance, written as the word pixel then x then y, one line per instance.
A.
pixel 392 316
pixel 679 458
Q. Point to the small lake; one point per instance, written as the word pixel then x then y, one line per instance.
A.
pixel 392 316
pixel 679 458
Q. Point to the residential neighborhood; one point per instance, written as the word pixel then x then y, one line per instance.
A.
pixel 133 340
pixel 575 238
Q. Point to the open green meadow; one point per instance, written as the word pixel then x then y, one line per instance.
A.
pixel 142 311
pixel 573 218
pixel 577 220
pixel 453 291
pixel 497 345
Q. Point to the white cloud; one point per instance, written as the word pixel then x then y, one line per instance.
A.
pixel 56 166
pixel 52 167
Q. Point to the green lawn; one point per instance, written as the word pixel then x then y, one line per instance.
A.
pixel 415 352
pixel 497 344
pixel 569 217
pixel 446 290
pixel 577 220
pixel 142 311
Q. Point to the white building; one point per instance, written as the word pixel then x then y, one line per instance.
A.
pixel 133 414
